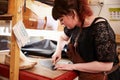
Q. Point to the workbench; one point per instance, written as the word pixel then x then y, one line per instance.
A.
pixel 39 72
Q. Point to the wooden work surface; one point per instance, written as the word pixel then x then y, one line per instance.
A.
pixel 40 72
pixel 44 71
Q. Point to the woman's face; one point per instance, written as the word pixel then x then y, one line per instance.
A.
pixel 68 21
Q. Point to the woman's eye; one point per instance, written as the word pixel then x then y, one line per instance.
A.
pixel 61 19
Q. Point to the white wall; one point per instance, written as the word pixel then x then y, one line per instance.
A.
pixel 105 12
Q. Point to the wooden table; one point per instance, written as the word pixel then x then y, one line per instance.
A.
pixel 39 72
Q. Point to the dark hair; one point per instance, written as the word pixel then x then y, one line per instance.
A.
pixel 63 7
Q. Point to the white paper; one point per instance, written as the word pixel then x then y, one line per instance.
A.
pixel 21 34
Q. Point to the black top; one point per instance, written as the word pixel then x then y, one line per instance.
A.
pixel 95 43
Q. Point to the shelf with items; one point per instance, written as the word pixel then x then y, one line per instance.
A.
pixel 5 24
pixel 5 35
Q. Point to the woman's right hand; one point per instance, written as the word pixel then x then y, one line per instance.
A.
pixel 60 44
pixel 55 58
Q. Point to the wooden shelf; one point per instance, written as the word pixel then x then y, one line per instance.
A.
pixel 6 17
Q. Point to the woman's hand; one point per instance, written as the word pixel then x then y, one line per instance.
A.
pixel 55 58
pixel 64 66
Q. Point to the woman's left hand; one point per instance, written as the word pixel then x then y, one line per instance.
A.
pixel 64 66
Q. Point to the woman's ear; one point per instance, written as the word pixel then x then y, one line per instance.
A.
pixel 73 14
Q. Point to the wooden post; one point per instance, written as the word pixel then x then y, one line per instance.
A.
pixel 14 8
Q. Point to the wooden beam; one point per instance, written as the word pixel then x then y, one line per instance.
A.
pixel 14 8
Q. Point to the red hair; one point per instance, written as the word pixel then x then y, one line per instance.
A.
pixel 63 7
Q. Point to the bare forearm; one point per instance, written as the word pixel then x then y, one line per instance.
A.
pixel 60 45
pixel 93 67
pixel 62 41
pixel 57 55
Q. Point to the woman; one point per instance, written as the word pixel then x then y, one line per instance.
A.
pixel 93 49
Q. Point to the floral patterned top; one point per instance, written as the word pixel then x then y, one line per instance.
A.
pixel 96 42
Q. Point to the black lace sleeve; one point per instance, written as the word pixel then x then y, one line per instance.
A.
pixel 105 42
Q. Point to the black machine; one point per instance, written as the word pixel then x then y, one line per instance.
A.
pixel 44 48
